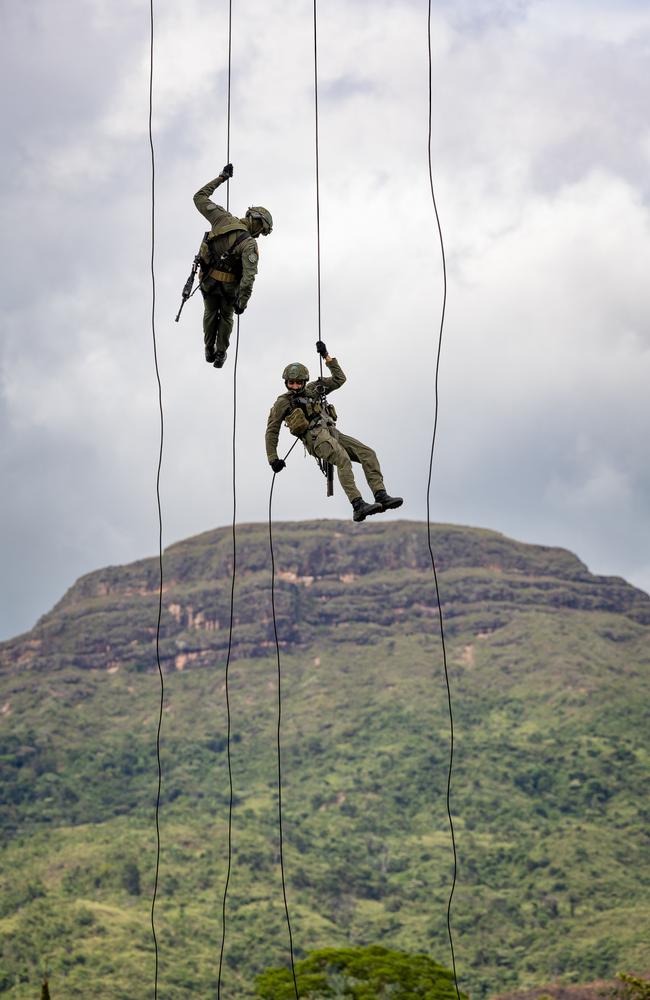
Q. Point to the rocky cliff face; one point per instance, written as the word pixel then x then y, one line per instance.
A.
pixel 333 579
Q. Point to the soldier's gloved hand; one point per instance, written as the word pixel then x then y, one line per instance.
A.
pixel 239 307
pixel 227 170
pixel 278 464
pixel 320 347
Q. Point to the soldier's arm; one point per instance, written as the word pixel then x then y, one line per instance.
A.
pixel 249 258
pixel 204 203
pixel 337 377
pixel 273 424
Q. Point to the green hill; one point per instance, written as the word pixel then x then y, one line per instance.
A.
pixel 549 673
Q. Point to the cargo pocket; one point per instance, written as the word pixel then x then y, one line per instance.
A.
pixel 323 445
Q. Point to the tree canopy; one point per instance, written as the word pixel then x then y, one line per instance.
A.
pixel 372 973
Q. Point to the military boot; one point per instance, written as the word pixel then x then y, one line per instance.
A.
pixel 210 354
pixel 361 510
pixel 386 502
pixel 220 359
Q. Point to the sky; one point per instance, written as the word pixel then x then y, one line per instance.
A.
pixel 540 157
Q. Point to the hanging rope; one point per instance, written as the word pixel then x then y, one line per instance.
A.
pixel 160 525
pixel 433 562
pixel 279 748
pixel 234 551
pixel 318 283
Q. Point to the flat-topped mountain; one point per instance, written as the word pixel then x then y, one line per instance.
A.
pixel 333 579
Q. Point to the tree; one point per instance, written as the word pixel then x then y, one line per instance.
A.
pixel 372 973
pixel 631 988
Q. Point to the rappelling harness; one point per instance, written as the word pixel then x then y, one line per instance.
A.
pixel 307 414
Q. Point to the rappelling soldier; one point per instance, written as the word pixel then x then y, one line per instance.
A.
pixel 309 416
pixel 228 262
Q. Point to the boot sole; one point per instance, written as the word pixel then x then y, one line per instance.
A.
pixel 392 506
pixel 368 513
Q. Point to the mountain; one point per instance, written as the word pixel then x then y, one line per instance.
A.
pixel 549 670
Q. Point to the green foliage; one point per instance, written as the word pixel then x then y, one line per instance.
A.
pixel 131 878
pixel 550 787
pixel 372 973
pixel 631 988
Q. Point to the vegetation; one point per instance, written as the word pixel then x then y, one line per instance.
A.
pixel 631 988
pixel 549 673
pixel 373 973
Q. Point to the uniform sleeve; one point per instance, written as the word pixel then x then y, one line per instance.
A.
pixel 205 205
pixel 335 380
pixel 273 424
pixel 249 259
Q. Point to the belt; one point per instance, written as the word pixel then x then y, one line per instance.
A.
pixel 225 276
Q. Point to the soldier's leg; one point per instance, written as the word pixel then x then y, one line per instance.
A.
pixel 360 452
pixel 326 447
pixel 211 318
pixel 227 299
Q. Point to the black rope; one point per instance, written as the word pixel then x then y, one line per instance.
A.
pixel 232 608
pixel 279 748
pixel 320 358
pixel 160 525
pixel 228 114
pixel 234 554
pixel 433 562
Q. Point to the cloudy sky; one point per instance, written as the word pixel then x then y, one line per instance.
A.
pixel 541 156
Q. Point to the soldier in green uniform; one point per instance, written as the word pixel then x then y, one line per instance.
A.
pixel 229 256
pixel 310 417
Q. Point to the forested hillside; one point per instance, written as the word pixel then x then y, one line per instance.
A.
pixel 549 669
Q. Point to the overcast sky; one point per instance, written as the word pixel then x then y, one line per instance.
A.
pixel 541 150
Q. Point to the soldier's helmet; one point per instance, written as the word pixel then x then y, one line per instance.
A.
pixel 263 215
pixel 295 372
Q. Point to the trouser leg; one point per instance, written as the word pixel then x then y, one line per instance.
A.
pixel 224 329
pixel 360 452
pixel 211 320
pixel 326 447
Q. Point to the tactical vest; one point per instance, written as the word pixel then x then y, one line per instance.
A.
pixel 315 410
pixel 223 260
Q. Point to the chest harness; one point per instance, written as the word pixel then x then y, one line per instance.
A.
pixel 308 412
pixel 222 265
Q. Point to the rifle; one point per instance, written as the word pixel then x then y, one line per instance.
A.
pixel 187 288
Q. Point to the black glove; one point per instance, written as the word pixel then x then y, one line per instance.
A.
pixel 227 170
pixel 278 464
pixel 321 349
pixel 239 307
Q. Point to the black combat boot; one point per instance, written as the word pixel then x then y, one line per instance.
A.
pixel 219 359
pixel 210 354
pixel 362 510
pixel 386 502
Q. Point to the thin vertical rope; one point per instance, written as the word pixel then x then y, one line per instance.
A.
pixel 318 281
pixel 228 113
pixel 234 555
pixel 279 747
pixel 433 563
pixel 232 608
pixel 160 524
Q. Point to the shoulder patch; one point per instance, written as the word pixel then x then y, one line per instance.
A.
pixel 252 257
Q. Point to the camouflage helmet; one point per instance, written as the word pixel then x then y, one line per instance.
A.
pixel 264 217
pixel 296 372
